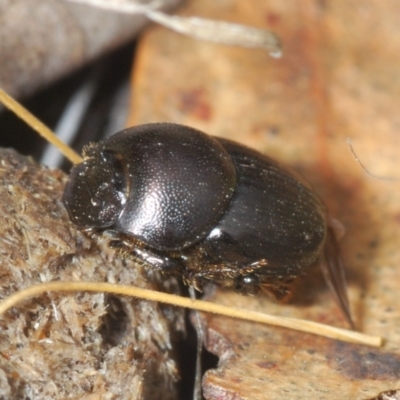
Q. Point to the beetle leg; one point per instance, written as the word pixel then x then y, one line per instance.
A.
pixel 214 273
pixel 334 274
pixel 279 291
pixel 247 280
pixel 136 251
pixel 262 275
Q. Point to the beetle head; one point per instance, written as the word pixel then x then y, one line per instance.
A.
pixel 96 190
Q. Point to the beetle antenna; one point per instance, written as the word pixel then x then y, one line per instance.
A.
pixel 39 127
pixel 201 305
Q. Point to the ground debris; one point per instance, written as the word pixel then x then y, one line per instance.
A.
pixel 73 345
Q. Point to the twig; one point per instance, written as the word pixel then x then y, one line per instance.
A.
pixel 198 28
pixel 39 127
pixel 200 305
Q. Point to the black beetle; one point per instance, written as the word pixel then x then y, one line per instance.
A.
pixel 204 208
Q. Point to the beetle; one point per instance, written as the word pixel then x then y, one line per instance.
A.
pixel 205 209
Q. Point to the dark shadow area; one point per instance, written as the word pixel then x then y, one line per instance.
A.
pixel 110 72
pixel 348 201
pixel 187 360
pixel 115 322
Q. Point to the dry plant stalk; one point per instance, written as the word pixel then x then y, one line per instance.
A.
pixel 198 28
pixel 291 323
pixel 200 305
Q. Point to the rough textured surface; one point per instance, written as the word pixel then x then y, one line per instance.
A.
pixel 388 395
pixel 338 78
pixel 44 40
pixel 59 345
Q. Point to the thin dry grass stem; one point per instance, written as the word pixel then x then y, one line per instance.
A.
pixel 198 28
pixel 200 305
pixel 39 127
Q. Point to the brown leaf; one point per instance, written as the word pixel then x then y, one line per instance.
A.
pixel 338 78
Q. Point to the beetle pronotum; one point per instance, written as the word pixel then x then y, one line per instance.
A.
pixel 301 325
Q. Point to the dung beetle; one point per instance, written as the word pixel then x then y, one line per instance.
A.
pixel 205 209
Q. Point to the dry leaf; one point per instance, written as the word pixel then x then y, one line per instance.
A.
pixel 338 78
